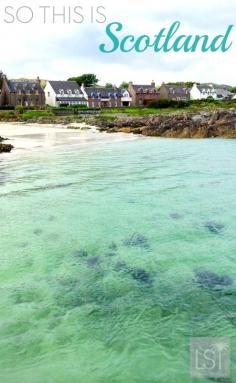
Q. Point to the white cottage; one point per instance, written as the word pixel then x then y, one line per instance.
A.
pixel 202 92
pixel 217 92
pixel 64 93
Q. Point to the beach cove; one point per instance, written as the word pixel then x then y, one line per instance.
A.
pixel 116 249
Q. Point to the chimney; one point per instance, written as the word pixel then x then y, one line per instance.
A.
pixel 38 80
pixel 3 76
pixel 153 84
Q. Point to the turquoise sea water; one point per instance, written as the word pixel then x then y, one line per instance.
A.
pixel 100 250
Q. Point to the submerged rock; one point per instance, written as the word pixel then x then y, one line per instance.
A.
pixel 140 275
pixel 113 246
pixel 176 216
pixel 111 254
pixel 121 266
pixel 214 227
pixel 38 231
pixel 137 240
pixel 93 261
pixel 112 250
pixel 213 281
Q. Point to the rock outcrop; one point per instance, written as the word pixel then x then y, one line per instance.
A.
pixel 5 148
pixel 205 124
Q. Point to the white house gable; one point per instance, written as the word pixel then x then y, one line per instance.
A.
pixel 202 92
pixel 64 93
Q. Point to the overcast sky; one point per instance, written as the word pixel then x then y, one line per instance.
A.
pixel 59 51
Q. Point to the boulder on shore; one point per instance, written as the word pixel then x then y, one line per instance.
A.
pixel 6 148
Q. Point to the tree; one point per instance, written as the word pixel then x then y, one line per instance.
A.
pixel 109 85
pixel 124 85
pixel 233 90
pixel 88 79
pixel 187 84
pixel 210 99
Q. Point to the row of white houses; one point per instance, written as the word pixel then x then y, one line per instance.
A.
pixel 63 93
pixel 69 93
pixel 59 93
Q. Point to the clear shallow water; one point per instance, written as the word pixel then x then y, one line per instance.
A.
pixel 100 246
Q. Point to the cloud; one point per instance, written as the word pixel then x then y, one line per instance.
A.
pixel 58 51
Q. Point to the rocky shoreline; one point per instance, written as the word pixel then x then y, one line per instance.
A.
pixel 205 124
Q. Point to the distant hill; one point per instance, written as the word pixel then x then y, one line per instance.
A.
pixel 189 84
pixel 223 86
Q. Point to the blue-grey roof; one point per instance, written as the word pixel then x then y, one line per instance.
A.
pixel 223 93
pixel 104 92
pixel 178 90
pixel 24 86
pixel 66 86
pixel 202 87
pixel 71 99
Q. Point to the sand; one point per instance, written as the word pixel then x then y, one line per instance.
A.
pixel 28 137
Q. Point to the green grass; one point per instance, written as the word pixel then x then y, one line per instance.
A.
pixel 195 106
pixel 32 114
pixel 110 114
pixel 132 111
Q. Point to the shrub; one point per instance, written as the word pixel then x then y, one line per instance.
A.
pixel 20 109
pixel 7 107
pixel 7 114
pixel 78 106
pixel 165 103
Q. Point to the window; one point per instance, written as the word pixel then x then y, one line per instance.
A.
pixel 49 94
pixel 61 91
pixel 69 92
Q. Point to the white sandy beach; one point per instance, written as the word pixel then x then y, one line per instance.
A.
pixel 28 137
